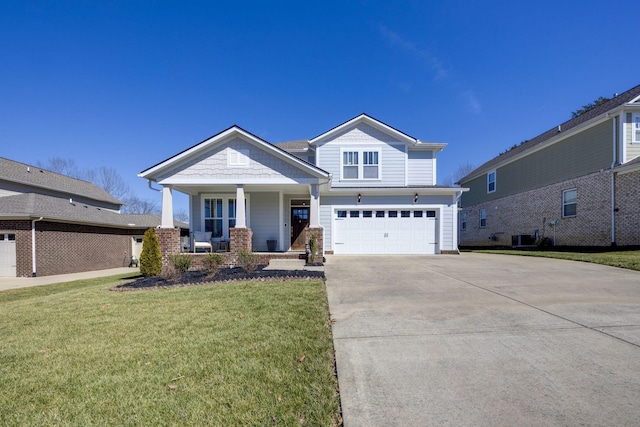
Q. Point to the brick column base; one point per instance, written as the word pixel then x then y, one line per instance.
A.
pixel 319 232
pixel 240 240
pixel 169 240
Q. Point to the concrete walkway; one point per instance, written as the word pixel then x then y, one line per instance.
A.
pixel 25 282
pixel 485 340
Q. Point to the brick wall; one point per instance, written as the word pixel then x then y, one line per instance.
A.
pixel 71 248
pixel 169 241
pixel 319 232
pixel 22 230
pixel 628 209
pixel 240 239
pixel 523 213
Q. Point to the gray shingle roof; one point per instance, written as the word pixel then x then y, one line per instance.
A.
pixel 32 205
pixel 41 178
pixel 300 144
pixel 553 132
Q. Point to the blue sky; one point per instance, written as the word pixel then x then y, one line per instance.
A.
pixel 127 84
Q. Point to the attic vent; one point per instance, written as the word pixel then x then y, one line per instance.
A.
pixel 237 157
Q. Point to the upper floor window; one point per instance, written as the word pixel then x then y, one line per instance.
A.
pixel 361 164
pixel 483 218
pixel 491 182
pixel 569 203
pixel 350 165
pixel 635 128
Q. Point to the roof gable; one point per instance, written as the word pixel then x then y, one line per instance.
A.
pixel 368 120
pixel 197 152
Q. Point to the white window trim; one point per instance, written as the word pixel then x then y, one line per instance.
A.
pixel 463 221
pixel 635 124
pixel 564 192
pixel 360 152
pixel 495 176
pixel 237 158
pixel 483 215
pixel 225 211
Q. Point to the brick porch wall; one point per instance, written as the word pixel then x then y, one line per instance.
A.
pixel 523 213
pixel 240 240
pixel 319 232
pixel 169 241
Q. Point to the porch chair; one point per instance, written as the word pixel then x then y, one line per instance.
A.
pixel 202 240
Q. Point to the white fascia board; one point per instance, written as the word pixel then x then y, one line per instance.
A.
pixel 236 181
pixel 431 146
pixel 363 118
pixel 422 191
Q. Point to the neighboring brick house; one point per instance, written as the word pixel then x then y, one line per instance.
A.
pixel 53 224
pixel 577 183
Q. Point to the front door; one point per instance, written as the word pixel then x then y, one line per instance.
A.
pixel 299 221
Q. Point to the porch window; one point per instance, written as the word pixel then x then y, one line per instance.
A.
pixel 350 165
pixel 213 216
pixel 219 215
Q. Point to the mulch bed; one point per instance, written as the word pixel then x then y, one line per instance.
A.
pixel 194 278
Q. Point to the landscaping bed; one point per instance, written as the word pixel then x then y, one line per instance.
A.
pixel 201 277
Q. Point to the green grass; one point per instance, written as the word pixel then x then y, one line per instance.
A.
pixel 623 259
pixel 227 354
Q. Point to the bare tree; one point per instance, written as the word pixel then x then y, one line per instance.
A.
pixel 463 170
pixel 62 166
pixel 109 180
pixel 181 215
pixel 136 205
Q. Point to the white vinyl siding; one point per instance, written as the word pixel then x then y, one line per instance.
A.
pixel 265 220
pixel 420 167
pixel 635 128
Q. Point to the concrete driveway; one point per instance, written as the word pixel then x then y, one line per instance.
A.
pixel 485 340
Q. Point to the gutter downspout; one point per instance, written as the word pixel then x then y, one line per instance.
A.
pixel 613 182
pixel 33 245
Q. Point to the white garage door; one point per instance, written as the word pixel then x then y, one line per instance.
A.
pixel 7 255
pixel 388 231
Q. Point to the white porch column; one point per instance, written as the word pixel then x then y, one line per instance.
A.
pixel 241 219
pixel 167 208
pixel 314 211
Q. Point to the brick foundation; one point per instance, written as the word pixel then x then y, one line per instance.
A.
pixel 169 240
pixel 319 232
pixel 240 240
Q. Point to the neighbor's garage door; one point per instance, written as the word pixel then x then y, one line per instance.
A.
pixel 386 231
pixel 7 255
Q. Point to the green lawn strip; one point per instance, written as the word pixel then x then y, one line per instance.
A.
pixel 222 354
pixel 623 259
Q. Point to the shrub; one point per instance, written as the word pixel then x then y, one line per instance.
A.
pixel 248 261
pixel 181 262
pixel 150 258
pixel 313 247
pixel 212 261
pixel 544 242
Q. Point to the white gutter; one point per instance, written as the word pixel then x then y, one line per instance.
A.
pixel 33 245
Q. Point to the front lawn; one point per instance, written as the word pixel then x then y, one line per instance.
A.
pixel 247 353
pixel 622 259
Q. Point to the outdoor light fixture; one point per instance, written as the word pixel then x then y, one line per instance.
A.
pixel 359 197
pixel 415 198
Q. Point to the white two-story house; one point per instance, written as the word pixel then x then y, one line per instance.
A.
pixel 362 187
